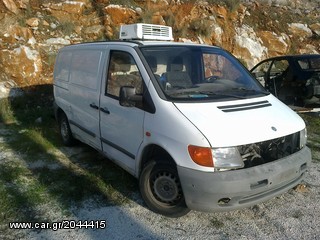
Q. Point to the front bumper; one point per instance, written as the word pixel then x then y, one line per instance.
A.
pixel 231 190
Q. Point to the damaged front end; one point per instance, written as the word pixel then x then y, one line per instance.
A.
pixel 259 153
pixel 247 174
pixel 268 151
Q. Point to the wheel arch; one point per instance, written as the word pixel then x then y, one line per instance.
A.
pixel 154 151
pixel 58 112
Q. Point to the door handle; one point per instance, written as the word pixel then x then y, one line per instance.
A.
pixel 93 105
pixel 105 110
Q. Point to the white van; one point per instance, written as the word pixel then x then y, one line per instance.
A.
pixel 188 120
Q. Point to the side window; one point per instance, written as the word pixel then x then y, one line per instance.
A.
pixel 304 64
pixel 315 63
pixel 309 63
pixel 219 67
pixel 62 69
pixel 213 65
pixel 123 71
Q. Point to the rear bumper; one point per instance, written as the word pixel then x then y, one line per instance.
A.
pixel 231 190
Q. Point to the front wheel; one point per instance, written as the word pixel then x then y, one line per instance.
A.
pixel 161 189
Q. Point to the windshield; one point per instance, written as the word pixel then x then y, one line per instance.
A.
pixel 192 73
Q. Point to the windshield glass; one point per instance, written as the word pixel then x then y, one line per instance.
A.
pixel 192 73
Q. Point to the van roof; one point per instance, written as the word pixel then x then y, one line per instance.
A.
pixel 134 43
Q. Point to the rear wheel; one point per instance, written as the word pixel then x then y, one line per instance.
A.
pixel 161 189
pixel 65 131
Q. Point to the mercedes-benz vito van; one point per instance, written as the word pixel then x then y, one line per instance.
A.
pixel 188 120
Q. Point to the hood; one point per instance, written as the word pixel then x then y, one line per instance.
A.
pixel 240 122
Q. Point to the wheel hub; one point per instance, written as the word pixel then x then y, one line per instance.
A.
pixel 166 188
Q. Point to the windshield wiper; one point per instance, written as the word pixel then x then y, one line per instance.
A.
pixel 206 93
pixel 221 94
pixel 210 93
pixel 242 89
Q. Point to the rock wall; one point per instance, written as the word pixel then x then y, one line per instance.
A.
pixel 32 31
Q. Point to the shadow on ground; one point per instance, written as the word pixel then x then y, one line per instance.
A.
pixel 43 181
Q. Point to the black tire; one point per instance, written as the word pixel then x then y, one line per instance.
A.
pixel 65 131
pixel 161 189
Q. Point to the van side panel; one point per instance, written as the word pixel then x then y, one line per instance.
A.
pixel 77 88
pixel 61 80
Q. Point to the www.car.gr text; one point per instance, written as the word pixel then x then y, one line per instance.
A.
pixel 64 224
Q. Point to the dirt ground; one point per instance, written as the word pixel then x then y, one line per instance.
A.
pixel 293 215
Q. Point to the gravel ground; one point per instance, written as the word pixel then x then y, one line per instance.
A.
pixel 293 215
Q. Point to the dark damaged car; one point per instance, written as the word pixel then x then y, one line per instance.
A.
pixel 294 79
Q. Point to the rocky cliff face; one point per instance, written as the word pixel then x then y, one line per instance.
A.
pixel 32 31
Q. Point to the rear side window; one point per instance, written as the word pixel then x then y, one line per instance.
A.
pixel 85 68
pixel 62 68
pixel 309 63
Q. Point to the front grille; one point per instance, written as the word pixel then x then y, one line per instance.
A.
pixel 268 151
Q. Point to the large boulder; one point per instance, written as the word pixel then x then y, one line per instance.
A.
pixel 11 6
pixel 22 64
pixel 299 31
pixel 248 46
pixel 315 28
pixel 16 35
pixel 276 45
pixel 117 15
pixel 67 11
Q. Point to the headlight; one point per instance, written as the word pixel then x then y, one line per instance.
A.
pixel 227 158
pixel 303 138
pixel 220 158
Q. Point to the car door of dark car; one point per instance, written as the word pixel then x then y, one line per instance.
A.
pixel 278 76
pixel 261 72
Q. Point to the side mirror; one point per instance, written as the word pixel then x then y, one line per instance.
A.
pixel 128 97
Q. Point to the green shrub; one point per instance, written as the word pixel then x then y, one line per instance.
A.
pixel 232 5
pixel 67 28
pixel 201 27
